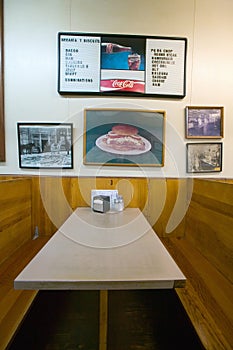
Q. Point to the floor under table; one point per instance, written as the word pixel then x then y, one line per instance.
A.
pixel 137 320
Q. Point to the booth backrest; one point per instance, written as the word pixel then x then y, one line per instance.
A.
pixel 205 255
pixel 16 215
pixel 209 223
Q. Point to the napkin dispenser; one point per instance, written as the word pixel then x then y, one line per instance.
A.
pixel 101 204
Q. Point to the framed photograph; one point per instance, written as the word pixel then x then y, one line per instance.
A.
pixel 123 65
pixel 204 157
pixel 204 122
pixel 124 137
pixel 45 145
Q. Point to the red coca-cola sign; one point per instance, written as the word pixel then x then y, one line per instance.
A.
pixel 123 85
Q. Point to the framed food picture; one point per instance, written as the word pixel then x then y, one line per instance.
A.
pixel 204 122
pixel 45 145
pixel 124 137
pixel 204 157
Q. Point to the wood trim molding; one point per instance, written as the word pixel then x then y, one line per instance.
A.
pixel 2 122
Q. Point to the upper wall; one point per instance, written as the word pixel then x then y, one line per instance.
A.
pixel 31 29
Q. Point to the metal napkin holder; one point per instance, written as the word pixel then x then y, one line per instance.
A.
pixel 101 204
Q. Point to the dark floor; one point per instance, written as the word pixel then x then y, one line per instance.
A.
pixel 138 320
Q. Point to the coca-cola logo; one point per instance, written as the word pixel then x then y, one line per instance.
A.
pixel 123 84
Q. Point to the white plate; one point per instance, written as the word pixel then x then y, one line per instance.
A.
pixel 105 148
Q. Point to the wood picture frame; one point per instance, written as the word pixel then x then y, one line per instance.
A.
pixel 204 122
pixel 45 145
pixel 2 118
pixel 204 157
pixel 124 137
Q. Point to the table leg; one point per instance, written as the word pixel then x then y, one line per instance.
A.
pixel 103 325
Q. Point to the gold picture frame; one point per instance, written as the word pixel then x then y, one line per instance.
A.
pixel 204 122
pixel 204 157
pixel 124 137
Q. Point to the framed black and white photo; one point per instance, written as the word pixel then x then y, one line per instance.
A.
pixel 123 65
pixel 204 157
pixel 45 145
pixel 124 137
pixel 204 122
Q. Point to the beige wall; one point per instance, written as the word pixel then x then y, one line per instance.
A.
pixel 31 29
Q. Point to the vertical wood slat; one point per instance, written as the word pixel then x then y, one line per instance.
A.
pixel 168 202
pixel 51 203
pixel 103 320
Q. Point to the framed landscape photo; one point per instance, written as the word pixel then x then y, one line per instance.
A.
pixel 123 65
pixel 204 122
pixel 124 137
pixel 45 145
pixel 204 157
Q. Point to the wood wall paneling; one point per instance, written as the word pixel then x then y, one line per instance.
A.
pixel 54 198
pixel 69 193
pixel 134 190
pixel 209 224
pixel 16 207
pixel 164 207
pixel 50 205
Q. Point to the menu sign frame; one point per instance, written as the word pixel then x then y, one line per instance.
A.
pixel 121 65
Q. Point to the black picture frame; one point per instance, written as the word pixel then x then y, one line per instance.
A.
pixel 108 133
pixel 121 65
pixel 45 145
pixel 204 122
pixel 204 157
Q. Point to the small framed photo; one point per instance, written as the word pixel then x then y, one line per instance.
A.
pixel 204 122
pixel 124 137
pixel 204 157
pixel 45 145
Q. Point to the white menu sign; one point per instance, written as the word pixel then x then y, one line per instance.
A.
pixel 165 66
pixel 79 63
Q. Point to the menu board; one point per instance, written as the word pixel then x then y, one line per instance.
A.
pixel 125 65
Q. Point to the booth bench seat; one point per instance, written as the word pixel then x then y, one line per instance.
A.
pixel 14 304
pixel 206 297
pixel 17 248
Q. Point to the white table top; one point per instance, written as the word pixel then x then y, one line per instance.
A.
pixel 102 251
